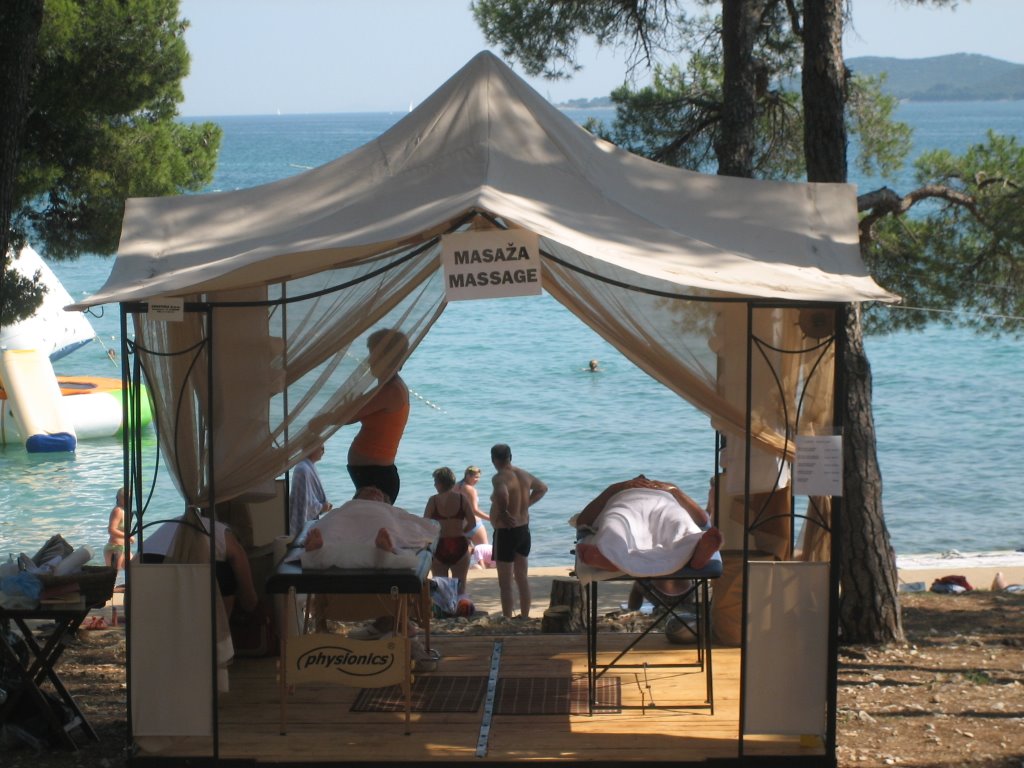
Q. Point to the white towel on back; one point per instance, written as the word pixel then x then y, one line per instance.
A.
pixel 644 532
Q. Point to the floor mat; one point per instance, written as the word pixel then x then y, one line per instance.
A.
pixel 554 696
pixel 453 693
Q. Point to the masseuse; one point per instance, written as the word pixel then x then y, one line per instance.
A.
pixel 371 458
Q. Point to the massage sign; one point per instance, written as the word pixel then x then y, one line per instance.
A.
pixel 491 264
pixel 324 658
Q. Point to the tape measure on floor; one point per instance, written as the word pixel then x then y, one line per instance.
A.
pixel 492 686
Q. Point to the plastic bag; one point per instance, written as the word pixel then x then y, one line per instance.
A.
pixel 20 591
pixel 447 602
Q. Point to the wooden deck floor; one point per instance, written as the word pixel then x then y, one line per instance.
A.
pixel 323 729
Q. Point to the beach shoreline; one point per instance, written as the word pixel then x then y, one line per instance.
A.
pixel 979 569
pixel 915 573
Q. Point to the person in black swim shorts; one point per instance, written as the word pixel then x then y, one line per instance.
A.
pixel 515 491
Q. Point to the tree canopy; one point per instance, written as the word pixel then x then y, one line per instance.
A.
pixel 954 244
pixel 960 253
pixel 101 125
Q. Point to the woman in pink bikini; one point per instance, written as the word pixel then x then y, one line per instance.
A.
pixel 452 510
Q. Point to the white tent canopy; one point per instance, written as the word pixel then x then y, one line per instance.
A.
pixel 486 141
pixel 682 272
pixel 626 242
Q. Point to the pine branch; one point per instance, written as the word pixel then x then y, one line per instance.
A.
pixel 886 202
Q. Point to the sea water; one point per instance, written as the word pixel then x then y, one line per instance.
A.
pixel 949 405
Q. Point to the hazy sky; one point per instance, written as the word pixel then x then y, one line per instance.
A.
pixel 309 56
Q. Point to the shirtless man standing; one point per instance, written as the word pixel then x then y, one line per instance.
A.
pixel 515 491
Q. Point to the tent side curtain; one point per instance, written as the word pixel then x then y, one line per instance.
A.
pixel 698 350
pixel 287 375
pixel 287 372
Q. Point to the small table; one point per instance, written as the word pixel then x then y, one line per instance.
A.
pixel 41 667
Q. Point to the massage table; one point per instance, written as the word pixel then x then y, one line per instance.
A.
pixel 666 607
pixel 353 594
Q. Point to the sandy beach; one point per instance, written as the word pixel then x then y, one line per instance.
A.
pixel 978 567
pixel 483 588
pixel 915 570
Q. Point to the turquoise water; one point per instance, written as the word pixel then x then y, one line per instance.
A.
pixel 949 406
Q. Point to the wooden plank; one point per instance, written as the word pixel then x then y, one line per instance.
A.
pixel 322 729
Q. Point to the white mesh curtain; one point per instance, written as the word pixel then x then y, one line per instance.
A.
pixel 289 368
pixel 698 349
pixel 309 348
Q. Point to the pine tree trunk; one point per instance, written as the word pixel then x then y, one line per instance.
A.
pixel 869 605
pixel 565 611
pixel 734 149
pixel 823 86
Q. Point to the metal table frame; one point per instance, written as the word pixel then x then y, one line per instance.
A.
pixel 42 667
pixel 666 606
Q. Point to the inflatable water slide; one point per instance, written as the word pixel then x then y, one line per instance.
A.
pixel 43 411
pixel 51 329
pixel 34 403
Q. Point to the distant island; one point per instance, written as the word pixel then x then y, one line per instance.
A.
pixel 595 103
pixel 954 77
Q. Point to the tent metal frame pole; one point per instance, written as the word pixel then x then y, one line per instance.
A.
pixel 839 408
pixel 839 392
pixel 132 448
pixel 284 400
pixel 129 468
pixel 211 468
pixel 740 741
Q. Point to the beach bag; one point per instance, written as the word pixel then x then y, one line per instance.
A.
pixel 55 548
pixel 20 592
pixel 951 585
pixel 446 602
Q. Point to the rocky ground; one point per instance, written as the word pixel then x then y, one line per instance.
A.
pixel 953 696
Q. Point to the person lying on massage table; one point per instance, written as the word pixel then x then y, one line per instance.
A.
pixel 367 532
pixel 646 528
